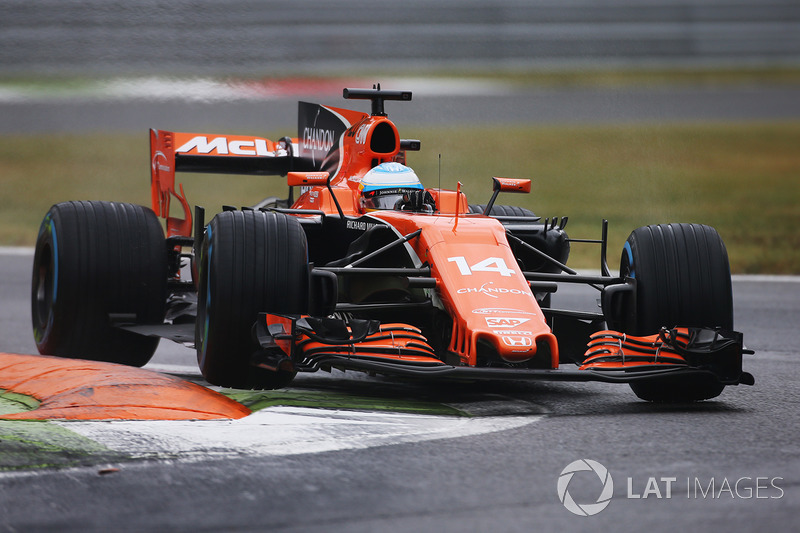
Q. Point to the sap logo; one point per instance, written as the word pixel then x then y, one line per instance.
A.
pixel 517 341
pixel 222 146
pixel 504 322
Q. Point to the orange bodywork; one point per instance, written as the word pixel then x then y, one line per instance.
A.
pixel 478 281
pixel 480 285
pixel 609 350
pixel 392 341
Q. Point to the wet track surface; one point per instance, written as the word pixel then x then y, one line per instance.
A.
pixel 734 460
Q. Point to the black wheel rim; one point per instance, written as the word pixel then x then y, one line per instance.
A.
pixel 44 289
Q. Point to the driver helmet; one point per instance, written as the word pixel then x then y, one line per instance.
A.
pixel 383 186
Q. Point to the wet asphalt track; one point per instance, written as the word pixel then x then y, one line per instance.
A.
pixel 503 481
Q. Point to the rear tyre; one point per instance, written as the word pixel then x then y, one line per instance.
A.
pixel 503 210
pixel 93 260
pixel 682 278
pixel 250 262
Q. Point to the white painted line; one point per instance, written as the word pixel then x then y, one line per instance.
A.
pixel 165 368
pixel 281 431
pixel 764 278
pixel 16 250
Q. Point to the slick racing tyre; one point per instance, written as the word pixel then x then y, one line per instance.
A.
pixel 250 262
pixel 682 279
pixel 94 260
pixel 503 210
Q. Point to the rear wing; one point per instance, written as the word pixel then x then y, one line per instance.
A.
pixel 317 147
pixel 172 152
pixel 329 139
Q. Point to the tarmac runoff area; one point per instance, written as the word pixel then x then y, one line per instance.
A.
pixel 58 413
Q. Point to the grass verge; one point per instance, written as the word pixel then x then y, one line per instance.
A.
pixel 740 178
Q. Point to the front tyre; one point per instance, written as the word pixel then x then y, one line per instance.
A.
pixel 682 279
pixel 94 260
pixel 250 262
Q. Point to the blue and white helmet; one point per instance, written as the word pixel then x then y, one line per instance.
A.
pixel 384 186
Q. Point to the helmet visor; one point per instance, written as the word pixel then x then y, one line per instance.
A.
pixel 382 198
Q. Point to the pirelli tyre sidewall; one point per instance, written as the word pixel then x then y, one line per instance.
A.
pixel 94 260
pixel 250 262
pixel 682 278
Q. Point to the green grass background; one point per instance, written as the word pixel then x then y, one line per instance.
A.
pixel 742 178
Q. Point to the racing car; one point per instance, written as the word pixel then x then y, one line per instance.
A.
pixel 363 268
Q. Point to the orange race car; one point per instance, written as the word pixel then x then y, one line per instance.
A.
pixel 368 270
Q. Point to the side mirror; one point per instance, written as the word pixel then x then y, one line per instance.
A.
pixel 511 185
pixel 506 185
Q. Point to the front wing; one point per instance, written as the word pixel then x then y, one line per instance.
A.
pixel 303 344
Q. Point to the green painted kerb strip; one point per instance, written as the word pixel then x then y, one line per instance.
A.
pixel 11 402
pixel 27 444
pixel 256 400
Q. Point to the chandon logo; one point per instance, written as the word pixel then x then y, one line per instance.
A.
pixel 318 139
pixel 585 509
pixel 491 291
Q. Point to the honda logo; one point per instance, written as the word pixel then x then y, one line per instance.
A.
pixel 517 341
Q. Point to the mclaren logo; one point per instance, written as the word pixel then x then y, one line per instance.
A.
pixel 222 146
pixel 160 162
